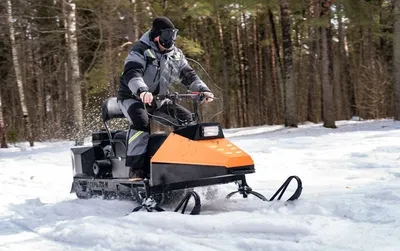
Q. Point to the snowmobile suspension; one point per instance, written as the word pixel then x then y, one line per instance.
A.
pixel 150 205
pixel 245 190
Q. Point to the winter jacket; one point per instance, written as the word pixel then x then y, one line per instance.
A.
pixel 147 69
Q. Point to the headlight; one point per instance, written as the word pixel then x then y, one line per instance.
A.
pixel 210 131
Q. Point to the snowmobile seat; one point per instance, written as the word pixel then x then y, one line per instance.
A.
pixel 111 110
pixel 120 136
pixel 119 140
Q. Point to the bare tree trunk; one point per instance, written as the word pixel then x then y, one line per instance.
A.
pixel 275 96
pixel 256 90
pixel 357 88
pixel 312 104
pixel 135 35
pixel 110 61
pixel 73 60
pixel 236 80
pixel 344 72
pixel 225 95
pixel 290 93
pixel 261 52
pixel 132 24
pixel 329 115
pixel 3 129
pixel 38 79
pixel 267 91
pixel 248 97
pixel 242 98
pixel 18 75
pixel 278 59
pixel 396 54
pixel 63 100
pixel 40 96
pixel 165 5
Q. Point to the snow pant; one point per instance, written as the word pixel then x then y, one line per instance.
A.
pixel 139 132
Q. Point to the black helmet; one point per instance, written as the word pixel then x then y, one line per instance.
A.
pixel 164 28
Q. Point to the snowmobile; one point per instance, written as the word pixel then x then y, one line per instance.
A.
pixel 192 155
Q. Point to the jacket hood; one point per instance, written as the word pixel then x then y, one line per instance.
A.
pixel 146 39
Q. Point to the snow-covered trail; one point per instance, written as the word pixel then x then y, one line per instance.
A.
pixel 350 200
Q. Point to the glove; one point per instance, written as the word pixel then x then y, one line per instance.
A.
pixel 146 97
pixel 208 97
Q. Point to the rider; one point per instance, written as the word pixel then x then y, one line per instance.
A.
pixel 152 64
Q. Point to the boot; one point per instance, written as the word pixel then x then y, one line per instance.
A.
pixel 136 174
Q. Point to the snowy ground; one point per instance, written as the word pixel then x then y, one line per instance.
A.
pixel 350 201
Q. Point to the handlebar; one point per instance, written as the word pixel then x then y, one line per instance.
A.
pixel 176 96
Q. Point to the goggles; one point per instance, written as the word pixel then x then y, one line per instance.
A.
pixel 169 34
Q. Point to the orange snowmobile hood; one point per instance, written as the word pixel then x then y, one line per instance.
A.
pixel 177 149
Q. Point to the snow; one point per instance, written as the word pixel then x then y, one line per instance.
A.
pixel 350 200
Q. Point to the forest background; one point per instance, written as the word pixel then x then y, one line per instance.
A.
pixel 269 62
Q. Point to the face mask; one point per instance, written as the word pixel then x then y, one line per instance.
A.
pixel 167 37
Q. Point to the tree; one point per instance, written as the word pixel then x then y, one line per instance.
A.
pixel 69 8
pixel 66 55
pixel 290 93
pixel 3 129
pixel 18 74
pixel 226 96
pixel 328 110
pixel 396 55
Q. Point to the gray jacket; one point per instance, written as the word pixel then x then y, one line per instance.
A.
pixel 147 69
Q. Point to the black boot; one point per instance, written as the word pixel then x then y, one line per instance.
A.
pixel 136 174
pixel 136 167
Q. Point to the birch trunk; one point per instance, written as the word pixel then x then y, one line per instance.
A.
pixel 396 54
pixel 3 129
pixel 133 26
pixel 73 61
pixel 290 95
pixel 329 115
pixel 18 75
